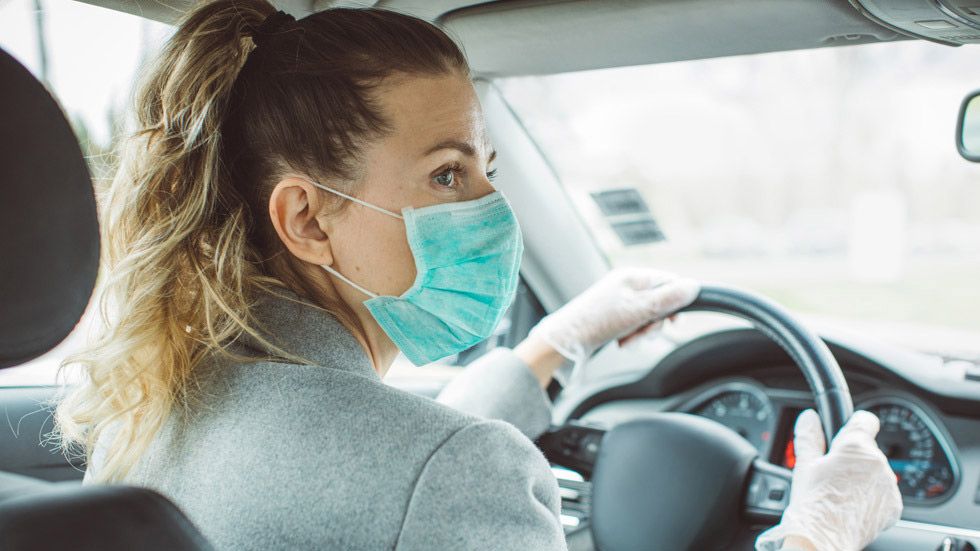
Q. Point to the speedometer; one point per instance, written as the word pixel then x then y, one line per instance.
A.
pixel 747 412
pixel 919 456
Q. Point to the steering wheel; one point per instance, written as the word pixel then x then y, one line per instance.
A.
pixel 679 481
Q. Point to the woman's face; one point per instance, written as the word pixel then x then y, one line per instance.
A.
pixel 437 152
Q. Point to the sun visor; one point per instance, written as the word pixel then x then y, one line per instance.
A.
pixel 521 37
pixel 950 22
pixel 49 238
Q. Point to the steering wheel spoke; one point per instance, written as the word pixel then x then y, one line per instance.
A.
pixel 767 492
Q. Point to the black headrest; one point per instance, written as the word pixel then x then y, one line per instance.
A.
pixel 96 517
pixel 49 238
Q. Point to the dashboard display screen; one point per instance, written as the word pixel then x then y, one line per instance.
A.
pixel 789 455
pixel 784 454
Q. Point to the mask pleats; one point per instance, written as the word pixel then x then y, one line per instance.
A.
pixel 468 255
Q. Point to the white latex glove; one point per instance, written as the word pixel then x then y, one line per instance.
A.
pixel 840 501
pixel 623 301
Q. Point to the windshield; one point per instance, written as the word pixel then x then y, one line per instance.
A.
pixel 827 179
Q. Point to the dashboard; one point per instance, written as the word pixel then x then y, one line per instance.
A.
pixel 930 422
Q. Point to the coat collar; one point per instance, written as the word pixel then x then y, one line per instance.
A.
pixel 305 330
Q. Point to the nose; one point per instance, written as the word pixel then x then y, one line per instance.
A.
pixel 482 187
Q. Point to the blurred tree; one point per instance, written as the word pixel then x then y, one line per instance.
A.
pixel 42 46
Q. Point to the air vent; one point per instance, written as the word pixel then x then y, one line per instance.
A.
pixel 576 499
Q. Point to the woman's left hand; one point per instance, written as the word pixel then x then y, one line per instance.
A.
pixel 623 303
pixel 839 500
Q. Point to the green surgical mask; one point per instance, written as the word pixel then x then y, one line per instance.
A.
pixel 467 257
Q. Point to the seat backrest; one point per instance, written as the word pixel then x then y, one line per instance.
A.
pixel 49 253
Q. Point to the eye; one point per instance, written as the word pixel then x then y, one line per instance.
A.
pixel 447 178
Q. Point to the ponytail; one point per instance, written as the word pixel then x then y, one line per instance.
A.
pixel 174 273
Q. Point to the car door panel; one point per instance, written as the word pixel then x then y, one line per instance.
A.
pixel 27 445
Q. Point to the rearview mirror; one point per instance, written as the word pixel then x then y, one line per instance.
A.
pixel 968 127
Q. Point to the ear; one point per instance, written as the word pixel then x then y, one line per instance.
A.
pixel 293 207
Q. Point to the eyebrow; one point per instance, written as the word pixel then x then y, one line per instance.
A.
pixel 462 147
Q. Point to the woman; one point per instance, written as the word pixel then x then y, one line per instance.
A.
pixel 302 201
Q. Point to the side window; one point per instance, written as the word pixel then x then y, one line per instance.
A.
pixel 89 58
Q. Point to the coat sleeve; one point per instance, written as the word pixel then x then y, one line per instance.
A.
pixel 499 385
pixel 485 487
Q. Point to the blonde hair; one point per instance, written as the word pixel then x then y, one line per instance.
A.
pixel 186 246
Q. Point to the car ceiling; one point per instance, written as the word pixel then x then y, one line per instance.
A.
pixel 521 37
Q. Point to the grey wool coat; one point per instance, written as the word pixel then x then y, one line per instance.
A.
pixel 326 456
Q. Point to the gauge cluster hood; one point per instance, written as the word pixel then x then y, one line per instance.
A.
pixel 733 350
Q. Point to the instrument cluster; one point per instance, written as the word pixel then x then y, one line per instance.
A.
pixel 918 448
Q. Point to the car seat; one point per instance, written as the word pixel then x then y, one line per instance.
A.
pixel 49 254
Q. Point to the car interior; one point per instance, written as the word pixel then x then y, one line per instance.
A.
pixel 685 443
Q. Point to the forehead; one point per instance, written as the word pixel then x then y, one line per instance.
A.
pixel 428 110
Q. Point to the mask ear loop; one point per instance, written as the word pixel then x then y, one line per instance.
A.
pixel 339 275
pixel 355 199
pixel 349 282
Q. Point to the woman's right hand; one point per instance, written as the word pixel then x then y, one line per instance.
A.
pixel 842 500
pixel 624 302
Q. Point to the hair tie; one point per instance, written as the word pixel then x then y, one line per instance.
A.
pixel 270 26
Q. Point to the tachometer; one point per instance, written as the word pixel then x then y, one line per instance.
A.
pixel 747 412
pixel 921 461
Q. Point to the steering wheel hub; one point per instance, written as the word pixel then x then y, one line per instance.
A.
pixel 702 467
